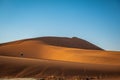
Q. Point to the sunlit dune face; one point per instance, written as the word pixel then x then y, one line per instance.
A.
pixel 82 56
pixel 25 48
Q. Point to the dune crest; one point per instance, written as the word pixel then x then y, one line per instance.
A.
pixel 73 42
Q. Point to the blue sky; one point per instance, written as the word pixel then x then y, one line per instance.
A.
pixel 97 21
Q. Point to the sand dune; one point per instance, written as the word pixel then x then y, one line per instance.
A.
pixel 46 56
pixel 73 42
pixel 37 49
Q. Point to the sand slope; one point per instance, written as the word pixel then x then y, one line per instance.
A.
pixel 26 67
pixel 45 58
pixel 37 49
pixel 73 42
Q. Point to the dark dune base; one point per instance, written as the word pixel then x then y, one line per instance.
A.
pixel 64 78
pixel 16 67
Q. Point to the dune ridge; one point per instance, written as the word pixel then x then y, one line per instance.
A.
pixel 73 42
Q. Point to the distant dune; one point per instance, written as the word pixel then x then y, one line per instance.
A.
pixel 73 42
pixel 58 56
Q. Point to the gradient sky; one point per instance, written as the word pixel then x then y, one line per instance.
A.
pixel 97 21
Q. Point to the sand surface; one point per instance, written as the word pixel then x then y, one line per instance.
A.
pixel 40 58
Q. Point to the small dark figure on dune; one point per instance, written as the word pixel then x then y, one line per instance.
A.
pixel 21 55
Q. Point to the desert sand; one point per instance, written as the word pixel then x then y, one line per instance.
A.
pixel 58 56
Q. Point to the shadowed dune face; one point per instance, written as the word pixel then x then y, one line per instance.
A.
pixel 73 42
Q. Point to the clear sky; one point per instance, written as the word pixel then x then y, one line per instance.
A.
pixel 97 21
